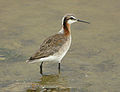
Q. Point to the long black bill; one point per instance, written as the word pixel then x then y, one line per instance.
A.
pixel 83 21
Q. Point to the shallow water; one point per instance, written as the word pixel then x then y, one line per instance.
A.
pixel 92 63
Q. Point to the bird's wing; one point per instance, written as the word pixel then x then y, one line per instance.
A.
pixel 50 46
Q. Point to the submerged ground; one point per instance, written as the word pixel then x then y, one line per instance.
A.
pixel 92 63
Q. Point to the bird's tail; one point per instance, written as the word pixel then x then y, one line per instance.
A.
pixel 27 61
pixel 31 60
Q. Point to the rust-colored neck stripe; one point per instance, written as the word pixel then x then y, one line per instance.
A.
pixel 66 27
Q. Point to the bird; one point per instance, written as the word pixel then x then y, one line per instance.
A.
pixel 55 47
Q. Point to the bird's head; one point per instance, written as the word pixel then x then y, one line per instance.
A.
pixel 71 19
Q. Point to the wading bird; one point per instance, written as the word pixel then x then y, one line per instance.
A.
pixel 56 46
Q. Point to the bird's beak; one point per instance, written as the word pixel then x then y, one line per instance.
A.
pixel 83 21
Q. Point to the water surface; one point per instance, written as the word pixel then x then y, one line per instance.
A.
pixel 92 63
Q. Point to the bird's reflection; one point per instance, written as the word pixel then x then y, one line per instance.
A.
pixel 50 83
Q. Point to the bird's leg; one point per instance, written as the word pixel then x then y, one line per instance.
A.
pixel 59 67
pixel 41 68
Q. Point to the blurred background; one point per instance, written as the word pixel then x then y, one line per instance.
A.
pixel 92 63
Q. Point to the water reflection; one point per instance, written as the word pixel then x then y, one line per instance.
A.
pixel 53 89
pixel 50 83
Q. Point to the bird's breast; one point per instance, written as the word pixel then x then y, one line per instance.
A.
pixel 63 50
